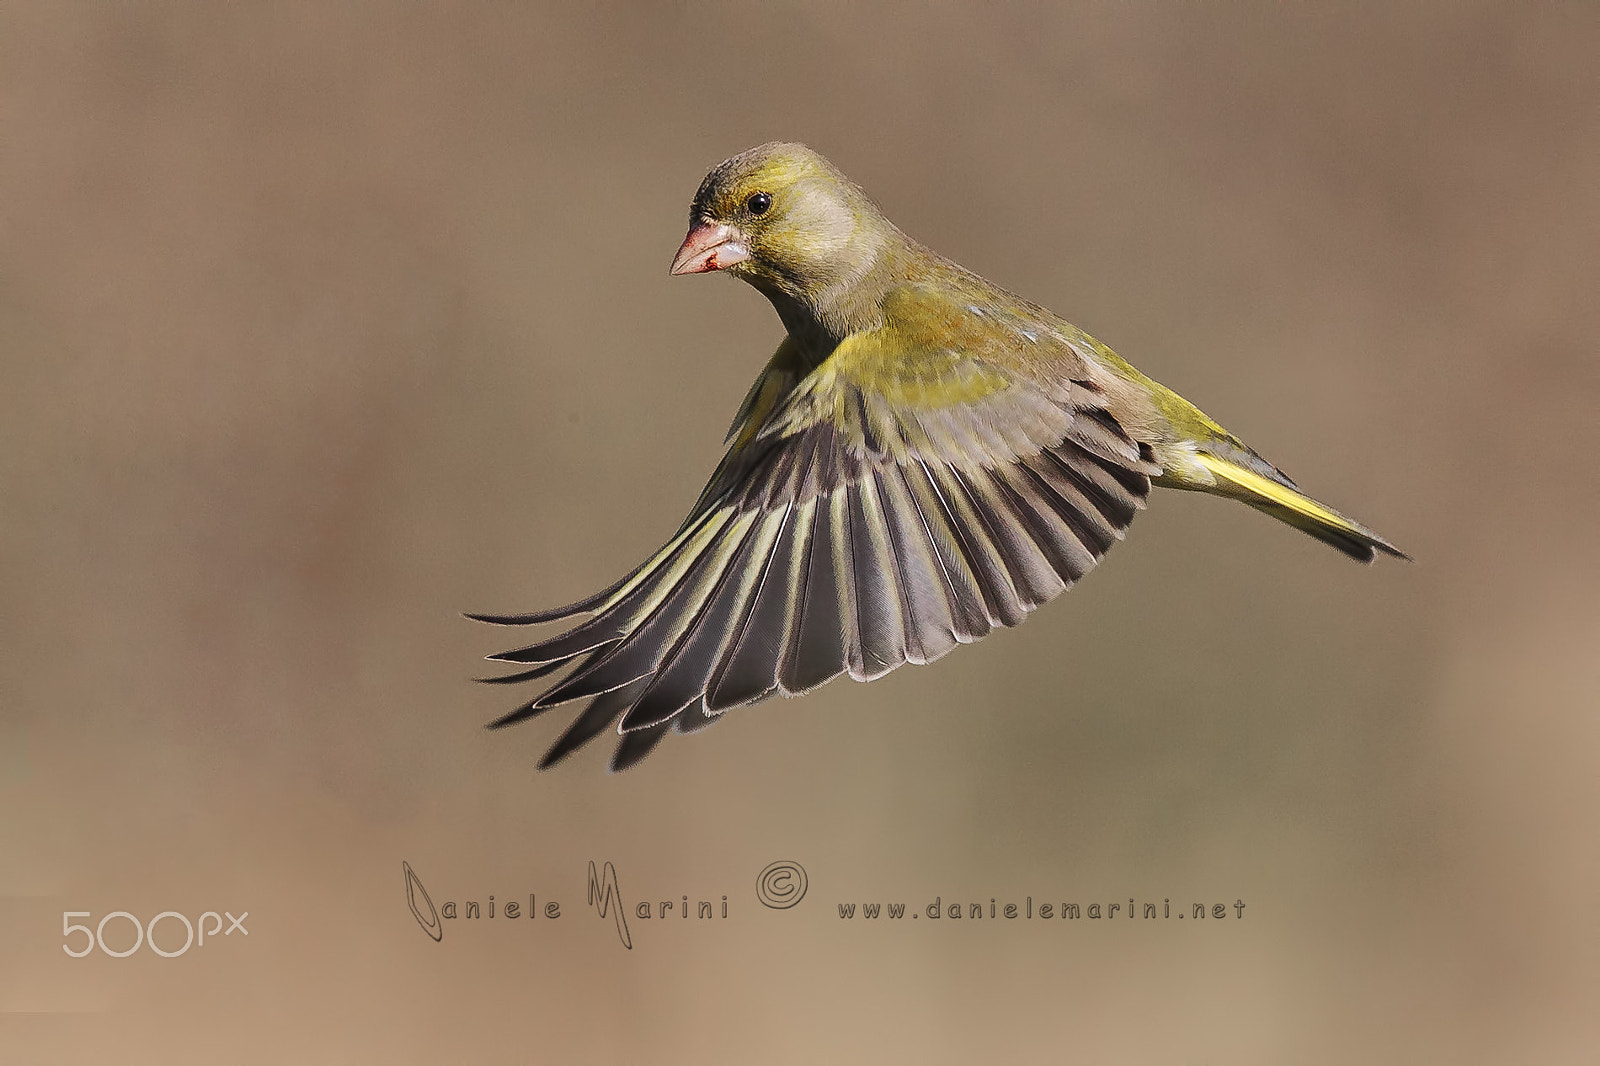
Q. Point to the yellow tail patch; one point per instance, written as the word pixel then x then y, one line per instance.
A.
pixel 1256 485
pixel 1295 508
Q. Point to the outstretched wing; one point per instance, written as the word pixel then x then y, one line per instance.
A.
pixel 915 490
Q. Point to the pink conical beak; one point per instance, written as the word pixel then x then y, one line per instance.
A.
pixel 710 246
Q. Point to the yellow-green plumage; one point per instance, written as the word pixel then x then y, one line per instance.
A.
pixel 926 456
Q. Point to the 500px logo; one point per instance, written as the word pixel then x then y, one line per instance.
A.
pixel 146 934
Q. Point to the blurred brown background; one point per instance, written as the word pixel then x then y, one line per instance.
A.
pixel 321 324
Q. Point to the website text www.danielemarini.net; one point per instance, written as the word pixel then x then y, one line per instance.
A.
pixel 781 888
pixel 994 908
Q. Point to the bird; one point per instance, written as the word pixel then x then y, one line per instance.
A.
pixel 925 458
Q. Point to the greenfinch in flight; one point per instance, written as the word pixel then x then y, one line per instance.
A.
pixel 925 457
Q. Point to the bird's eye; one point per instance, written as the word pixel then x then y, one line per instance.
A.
pixel 759 203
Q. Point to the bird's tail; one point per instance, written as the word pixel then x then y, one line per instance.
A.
pixel 1288 504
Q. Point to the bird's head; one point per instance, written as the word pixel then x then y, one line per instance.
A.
pixel 782 218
